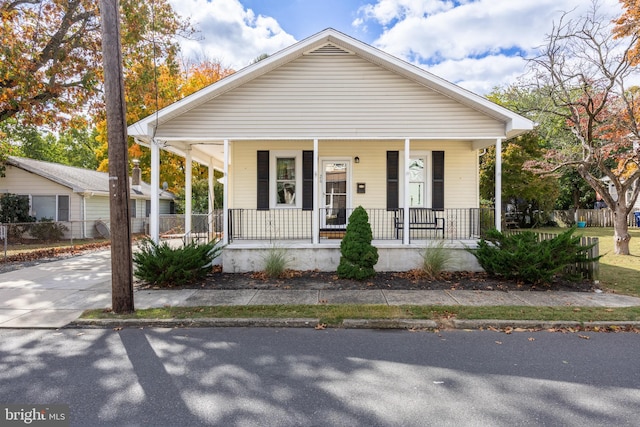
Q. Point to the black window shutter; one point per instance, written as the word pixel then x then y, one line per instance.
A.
pixel 307 180
pixel 263 180
pixel 392 179
pixel 437 197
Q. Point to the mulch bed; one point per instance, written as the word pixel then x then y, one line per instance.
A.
pixel 411 280
pixel 317 280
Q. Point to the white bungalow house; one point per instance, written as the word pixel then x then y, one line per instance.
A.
pixel 76 196
pixel 326 125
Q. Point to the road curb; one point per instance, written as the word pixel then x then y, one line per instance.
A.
pixel 195 323
pixel 347 323
pixel 540 324
pixel 389 324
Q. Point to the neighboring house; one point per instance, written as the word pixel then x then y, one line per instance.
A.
pixel 311 132
pixel 614 193
pixel 79 196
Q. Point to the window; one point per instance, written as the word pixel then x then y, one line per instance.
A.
pixel 55 208
pixel 417 182
pixel 285 179
pixel 63 208
pixel 132 208
pixel 426 187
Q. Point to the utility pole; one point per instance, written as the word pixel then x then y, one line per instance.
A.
pixel 121 252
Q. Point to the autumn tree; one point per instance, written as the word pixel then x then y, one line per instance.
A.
pixel 48 61
pixel 582 72
pixel 51 61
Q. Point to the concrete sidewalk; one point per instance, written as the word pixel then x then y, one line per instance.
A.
pixel 54 294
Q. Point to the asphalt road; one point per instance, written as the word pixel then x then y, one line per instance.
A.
pixel 305 377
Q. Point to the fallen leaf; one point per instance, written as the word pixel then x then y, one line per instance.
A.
pixel 498 342
pixel 584 337
pixel 117 328
pixel 532 339
pixel 438 382
pixel 321 326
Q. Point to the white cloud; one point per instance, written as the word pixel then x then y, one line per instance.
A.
pixel 480 75
pixel 468 43
pixel 474 43
pixel 229 33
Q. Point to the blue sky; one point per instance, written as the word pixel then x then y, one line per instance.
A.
pixel 477 44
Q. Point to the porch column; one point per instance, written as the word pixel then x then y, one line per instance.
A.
pixel 315 219
pixel 211 200
pixel 188 193
pixel 405 192
pixel 154 215
pixel 498 189
pixel 225 195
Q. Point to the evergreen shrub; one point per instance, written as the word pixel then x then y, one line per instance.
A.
pixel 523 256
pixel 358 255
pixel 159 264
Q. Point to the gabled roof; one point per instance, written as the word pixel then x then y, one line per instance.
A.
pixel 79 180
pixel 332 40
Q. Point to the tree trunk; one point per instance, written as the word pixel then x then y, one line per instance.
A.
pixel 621 236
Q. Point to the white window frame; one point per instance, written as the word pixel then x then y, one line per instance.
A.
pixel 428 190
pixel 274 155
pixel 56 218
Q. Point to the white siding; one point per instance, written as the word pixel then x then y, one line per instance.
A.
pixel 165 207
pixel 18 181
pixel 97 208
pixel 335 96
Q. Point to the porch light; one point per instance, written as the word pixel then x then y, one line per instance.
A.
pixel 356 159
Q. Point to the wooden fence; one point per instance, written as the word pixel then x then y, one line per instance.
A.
pixel 592 217
pixel 587 270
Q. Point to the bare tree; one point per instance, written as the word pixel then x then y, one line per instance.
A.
pixel 582 74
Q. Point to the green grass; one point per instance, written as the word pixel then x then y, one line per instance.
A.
pixel 618 273
pixel 335 314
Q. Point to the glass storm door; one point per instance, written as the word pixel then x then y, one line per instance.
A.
pixel 335 196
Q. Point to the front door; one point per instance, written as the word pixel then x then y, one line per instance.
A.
pixel 335 196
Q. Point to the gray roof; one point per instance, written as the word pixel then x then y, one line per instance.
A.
pixel 79 180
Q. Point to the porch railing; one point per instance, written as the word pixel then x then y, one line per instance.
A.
pixel 296 224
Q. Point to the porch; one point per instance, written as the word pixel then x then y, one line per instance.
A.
pixel 253 233
pixel 387 225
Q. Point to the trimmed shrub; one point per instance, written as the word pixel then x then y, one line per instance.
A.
pixel 162 265
pixel 522 256
pixel 358 256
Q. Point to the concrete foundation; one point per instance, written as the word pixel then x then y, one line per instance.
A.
pixel 250 256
